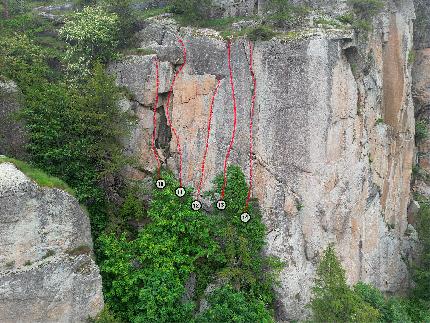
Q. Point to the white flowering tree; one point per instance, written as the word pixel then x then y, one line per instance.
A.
pixel 92 35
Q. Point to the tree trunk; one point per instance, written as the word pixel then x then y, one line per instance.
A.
pixel 5 9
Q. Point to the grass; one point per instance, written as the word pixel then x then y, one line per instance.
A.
pixel 38 176
pixel 253 33
pixel 221 23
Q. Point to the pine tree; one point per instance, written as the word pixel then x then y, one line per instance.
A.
pixel 333 300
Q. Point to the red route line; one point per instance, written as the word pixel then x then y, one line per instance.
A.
pixel 154 119
pixel 172 129
pixel 207 137
pixel 234 121
pixel 251 117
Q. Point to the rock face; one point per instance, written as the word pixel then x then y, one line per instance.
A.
pixel 333 139
pixel 47 273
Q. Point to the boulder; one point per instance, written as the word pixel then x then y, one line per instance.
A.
pixel 47 270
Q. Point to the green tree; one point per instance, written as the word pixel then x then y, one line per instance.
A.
pixel 144 278
pixel 92 35
pixel 242 261
pixel 126 18
pixel 332 299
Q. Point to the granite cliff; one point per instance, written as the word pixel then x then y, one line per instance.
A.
pixel 333 135
pixel 333 149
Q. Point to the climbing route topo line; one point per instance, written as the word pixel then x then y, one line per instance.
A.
pixel 207 137
pixel 169 120
pixel 234 119
pixel 251 117
pixel 154 119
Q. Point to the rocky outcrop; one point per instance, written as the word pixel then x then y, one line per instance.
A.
pixel 333 138
pixel 12 134
pixel 47 271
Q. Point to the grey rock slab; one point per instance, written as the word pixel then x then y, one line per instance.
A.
pixel 47 273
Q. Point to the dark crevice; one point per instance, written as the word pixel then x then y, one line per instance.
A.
pixel 164 134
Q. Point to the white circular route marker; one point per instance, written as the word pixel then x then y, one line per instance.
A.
pixel 161 183
pixel 196 205
pixel 221 205
pixel 245 217
pixel 180 191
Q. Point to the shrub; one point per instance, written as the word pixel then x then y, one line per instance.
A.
pixel 92 35
pixel 144 278
pixel 241 259
pixel 228 305
pixel 74 132
pixel 421 131
pixel 284 13
pixel 332 299
pixel 391 309
pixel 158 261
pixel 261 33
pixel 23 61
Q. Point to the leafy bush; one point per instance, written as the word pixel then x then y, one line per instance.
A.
pixel 23 61
pixel 261 33
pixel 391 309
pixel 421 131
pixel 73 129
pixel 144 278
pixel 228 305
pixel 284 13
pixel 332 299
pixel 92 35
pixel 242 262
pixel 74 132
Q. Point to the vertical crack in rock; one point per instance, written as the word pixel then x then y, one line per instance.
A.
pixel 164 134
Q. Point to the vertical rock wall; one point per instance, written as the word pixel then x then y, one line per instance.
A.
pixel 333 139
